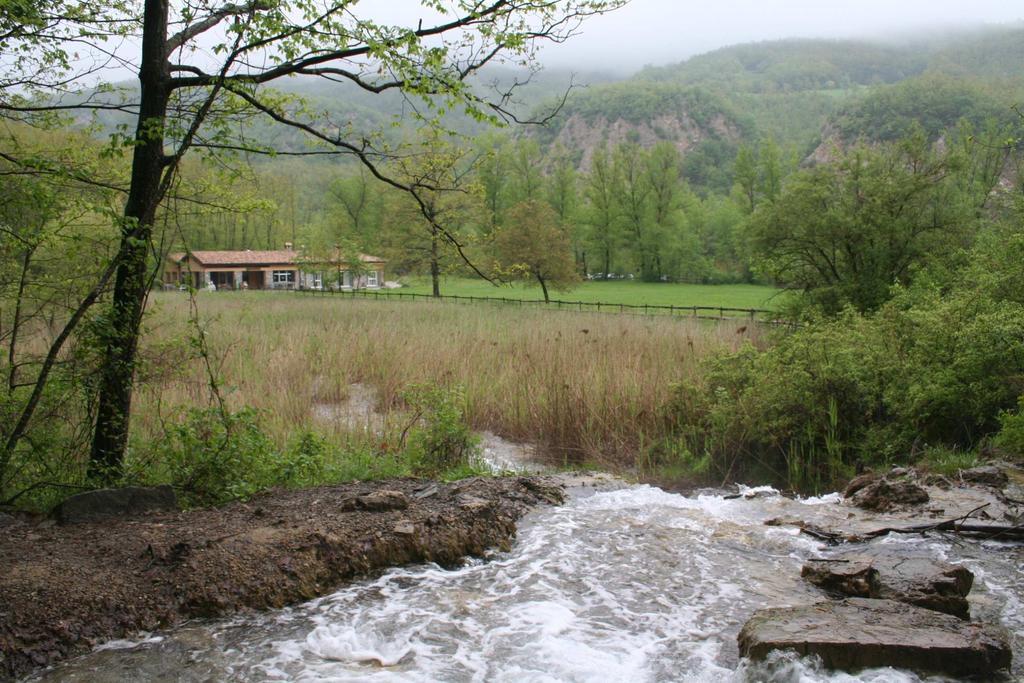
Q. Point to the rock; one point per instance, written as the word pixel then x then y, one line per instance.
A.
pixel 920 581
pixel 123 502
pixel 383 501
pixel 886 494
pixel 939 481
pixel 427 492
pixel 405 529
pixel 987 475
pixel 860 633
pixel 7 520
pixel 925 582
pixel 472 503
pixel 857 483
pixel 850 576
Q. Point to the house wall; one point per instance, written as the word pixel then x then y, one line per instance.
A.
pixel 201 276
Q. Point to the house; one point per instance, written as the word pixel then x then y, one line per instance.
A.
pixel 283 269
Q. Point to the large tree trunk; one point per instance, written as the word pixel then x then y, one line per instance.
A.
pixel 130 286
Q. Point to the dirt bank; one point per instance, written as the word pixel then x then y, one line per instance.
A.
pixel 63 589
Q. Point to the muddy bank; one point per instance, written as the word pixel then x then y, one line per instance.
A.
pixel 66 588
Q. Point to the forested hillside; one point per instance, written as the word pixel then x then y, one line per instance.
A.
pixel 652 175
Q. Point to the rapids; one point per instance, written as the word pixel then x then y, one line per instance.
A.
pixel 624 583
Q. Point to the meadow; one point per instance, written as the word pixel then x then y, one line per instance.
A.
pixel 586 388
pixel 630 292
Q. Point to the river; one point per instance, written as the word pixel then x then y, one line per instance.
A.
pixel 622 583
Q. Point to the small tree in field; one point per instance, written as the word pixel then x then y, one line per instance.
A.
pixel 532 245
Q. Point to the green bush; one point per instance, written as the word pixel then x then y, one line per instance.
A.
pixel 211 458
pixel 1010 438
pixel 938 367
pixel 439 439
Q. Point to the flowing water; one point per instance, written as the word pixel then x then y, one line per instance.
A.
pixel 630 584
pixel 622 583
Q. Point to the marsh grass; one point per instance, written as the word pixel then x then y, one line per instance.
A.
pixel 586 388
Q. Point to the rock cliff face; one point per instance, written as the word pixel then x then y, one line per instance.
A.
pixel 678 128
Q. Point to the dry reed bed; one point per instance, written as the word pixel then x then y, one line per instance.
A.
pixel 587 387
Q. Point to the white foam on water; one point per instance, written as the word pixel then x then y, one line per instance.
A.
pixel 346 644
pixel 143 639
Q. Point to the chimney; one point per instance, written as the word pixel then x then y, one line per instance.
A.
pixel 287 246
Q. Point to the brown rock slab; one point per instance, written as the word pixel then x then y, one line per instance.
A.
pixel 850 576
pixel 123 502
pixel 383 501
pixel 886 494
pixel 986 475
pixel 860 633
pixel 920 581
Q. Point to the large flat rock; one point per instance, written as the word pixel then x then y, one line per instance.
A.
pixel 860 633
pixel 920 581
pixel 129 501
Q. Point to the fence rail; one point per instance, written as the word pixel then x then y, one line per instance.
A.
pixel 699 312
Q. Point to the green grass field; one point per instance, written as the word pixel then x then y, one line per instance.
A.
pixel 614 292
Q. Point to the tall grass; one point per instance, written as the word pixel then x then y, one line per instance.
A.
pixel 586 388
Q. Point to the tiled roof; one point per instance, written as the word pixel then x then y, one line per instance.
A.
pixel 245 258
pixel 257 258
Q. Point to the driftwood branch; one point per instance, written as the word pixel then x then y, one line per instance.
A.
pixel 956 525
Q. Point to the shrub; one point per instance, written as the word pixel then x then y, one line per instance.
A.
pixel 439 438
pixel 1011 435
pixel 934 370
pixel 212 458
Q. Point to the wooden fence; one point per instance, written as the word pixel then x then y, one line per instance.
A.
pixel 699 312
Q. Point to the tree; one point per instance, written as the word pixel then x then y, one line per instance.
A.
pixel 601 213
pixel 492 174
pixel 446 203
pixel 633 193
pixel 525 162
pixel 55 239
pixel 847 232
pixel 359 196
pixel 563 196
pixel 189 94
pixel 532 245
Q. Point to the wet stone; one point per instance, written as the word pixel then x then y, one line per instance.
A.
pixel 886 494
pixel 860 633
pixel 472 503
pixel 919 581
pixel 383 501
pixel 122 502
pixel 987 475
pixel 853 577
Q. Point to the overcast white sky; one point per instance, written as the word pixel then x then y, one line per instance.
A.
pixel 664 31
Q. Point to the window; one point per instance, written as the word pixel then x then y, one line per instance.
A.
pixel 371 279
pixel 284 277
pixel 318 280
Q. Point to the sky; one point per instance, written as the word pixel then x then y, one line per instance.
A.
pixel 666 31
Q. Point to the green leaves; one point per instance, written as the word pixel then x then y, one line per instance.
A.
pixel 847 232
